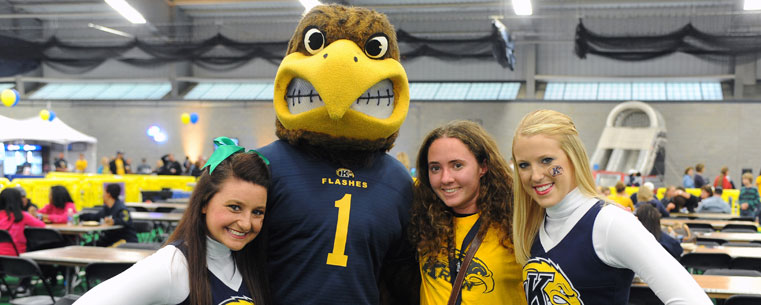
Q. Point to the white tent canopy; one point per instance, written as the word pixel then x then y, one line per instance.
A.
pixel 56 131
pixel 34 128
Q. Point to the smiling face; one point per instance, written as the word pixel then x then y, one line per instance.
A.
pixel 454 174
pixel 234 215
pixel 538 158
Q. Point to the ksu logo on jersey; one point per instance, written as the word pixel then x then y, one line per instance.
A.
pixel 345 178
pixel 546 284
pixel 344 173
pixel 238 301
pixel 478 277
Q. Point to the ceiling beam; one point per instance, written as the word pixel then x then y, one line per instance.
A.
pixel 213 2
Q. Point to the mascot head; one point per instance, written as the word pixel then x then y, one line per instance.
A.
pixel 341 86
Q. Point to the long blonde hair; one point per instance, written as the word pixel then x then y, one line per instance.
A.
pixel 527 214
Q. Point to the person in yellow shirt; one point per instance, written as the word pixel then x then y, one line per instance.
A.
pixel 621 198
pixel 464 194
pixel 81 164
pixel 117 164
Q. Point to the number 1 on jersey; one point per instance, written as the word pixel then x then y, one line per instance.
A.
pixel 338 256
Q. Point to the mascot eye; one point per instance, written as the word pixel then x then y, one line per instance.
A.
pixel 314 40
pixel 377 46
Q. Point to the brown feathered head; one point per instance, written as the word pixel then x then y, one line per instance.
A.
pixel 341 86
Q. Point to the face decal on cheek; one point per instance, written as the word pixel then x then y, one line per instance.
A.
pixel 555 171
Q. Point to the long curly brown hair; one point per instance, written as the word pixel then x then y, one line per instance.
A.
pixel 432 222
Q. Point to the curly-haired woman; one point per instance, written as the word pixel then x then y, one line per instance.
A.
pixel 463 195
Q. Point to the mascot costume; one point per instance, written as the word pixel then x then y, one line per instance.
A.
pixel 339 204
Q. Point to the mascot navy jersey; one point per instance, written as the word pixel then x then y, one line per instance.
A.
pixel 572 273
pixel 330 228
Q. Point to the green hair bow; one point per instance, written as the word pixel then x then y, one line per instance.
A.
pixel 226 148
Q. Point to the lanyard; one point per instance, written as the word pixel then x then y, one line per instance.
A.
pixel 456 262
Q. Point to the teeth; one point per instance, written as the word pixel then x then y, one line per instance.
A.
pixel 301 96
pixel 378 101
pixel 236 233
pixel 450 190
pixel 543 188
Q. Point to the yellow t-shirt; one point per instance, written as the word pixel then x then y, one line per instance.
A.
pixel 119 167
pixel 80 165
pixel 493 276
pixel 623 200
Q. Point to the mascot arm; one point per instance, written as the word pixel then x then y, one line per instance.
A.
pixel 400 276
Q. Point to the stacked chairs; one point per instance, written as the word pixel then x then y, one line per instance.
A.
pixel 740 228
pixel 703 261
pixel 700 227
pixel 746 263
pixel 42 238
pixel 710 242
pixel 743 300
pixel 23 267
pixel 96 273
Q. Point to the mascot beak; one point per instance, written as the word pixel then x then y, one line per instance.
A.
pixel 341 61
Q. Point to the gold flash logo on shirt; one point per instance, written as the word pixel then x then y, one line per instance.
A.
pixel 546 284
pixel 237 301
pixel 344 173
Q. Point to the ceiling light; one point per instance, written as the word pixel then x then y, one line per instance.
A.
pixel 522 7
pixel 309 4
pixel 752 5
pixel 126 10
pixel 110 30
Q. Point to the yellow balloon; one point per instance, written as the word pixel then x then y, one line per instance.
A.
pixel 44 114
pixel 185 118
pixel 9 97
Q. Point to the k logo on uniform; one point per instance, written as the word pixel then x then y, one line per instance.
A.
pixel 344 173
pixel 546 284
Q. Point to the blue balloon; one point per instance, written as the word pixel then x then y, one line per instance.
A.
pixel 193 117
pixel 52 116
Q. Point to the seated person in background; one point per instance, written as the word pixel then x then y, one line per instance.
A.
pixel 26 204
pixel 712 202
pixel 645 196
pixel 651 219
pixel 60 207
pixel 688 180
pixel 749 198
pixel 604 191
pixel 114 212
pixel 679 199
pixel 649 185
pixel 621 198
pixel 14 220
